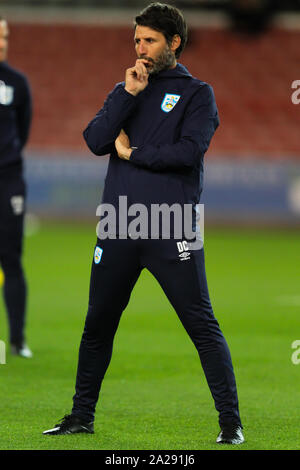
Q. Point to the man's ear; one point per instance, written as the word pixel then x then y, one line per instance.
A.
pixel 176 41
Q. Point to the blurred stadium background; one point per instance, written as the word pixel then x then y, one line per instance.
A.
pixel 73 51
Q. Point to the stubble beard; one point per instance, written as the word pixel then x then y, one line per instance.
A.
pixel 163 62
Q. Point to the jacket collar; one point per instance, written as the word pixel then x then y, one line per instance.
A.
pixel 177 72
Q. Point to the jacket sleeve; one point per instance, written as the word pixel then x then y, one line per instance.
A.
pixel 24 113
pixel 103 130
pixel 199 124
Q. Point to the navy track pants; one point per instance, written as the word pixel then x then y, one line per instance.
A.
pixel 12 209
pixel 116 267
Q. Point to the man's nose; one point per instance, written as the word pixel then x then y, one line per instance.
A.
pixel 142 49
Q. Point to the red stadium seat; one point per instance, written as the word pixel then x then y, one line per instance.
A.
pixel 72 68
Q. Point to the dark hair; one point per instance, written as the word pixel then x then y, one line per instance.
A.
pixel 166 19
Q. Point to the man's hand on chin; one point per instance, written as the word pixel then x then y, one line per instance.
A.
pixel 122 145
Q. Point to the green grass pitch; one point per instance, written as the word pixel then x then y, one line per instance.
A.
pixel 154 396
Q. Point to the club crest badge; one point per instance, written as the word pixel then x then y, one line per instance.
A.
pixel 6 94
pixel 169 102
pixel 98 254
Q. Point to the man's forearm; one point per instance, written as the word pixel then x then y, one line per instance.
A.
pixel 103 130
pixel 184 155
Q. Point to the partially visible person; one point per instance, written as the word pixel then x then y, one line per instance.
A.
pixel 15 122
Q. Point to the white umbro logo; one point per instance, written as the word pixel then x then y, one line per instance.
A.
pixel 183 250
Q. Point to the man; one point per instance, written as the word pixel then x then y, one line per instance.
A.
pixel 15 119
pixel 156 126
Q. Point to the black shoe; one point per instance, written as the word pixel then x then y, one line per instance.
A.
pixel 230 434
pixel 71 424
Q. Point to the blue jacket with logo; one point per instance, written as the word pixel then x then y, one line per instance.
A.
pixel 171 123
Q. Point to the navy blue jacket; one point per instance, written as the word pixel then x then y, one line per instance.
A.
pixel 167 166
pixel 15 118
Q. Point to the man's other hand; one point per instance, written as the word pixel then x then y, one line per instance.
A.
pixel 122 145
